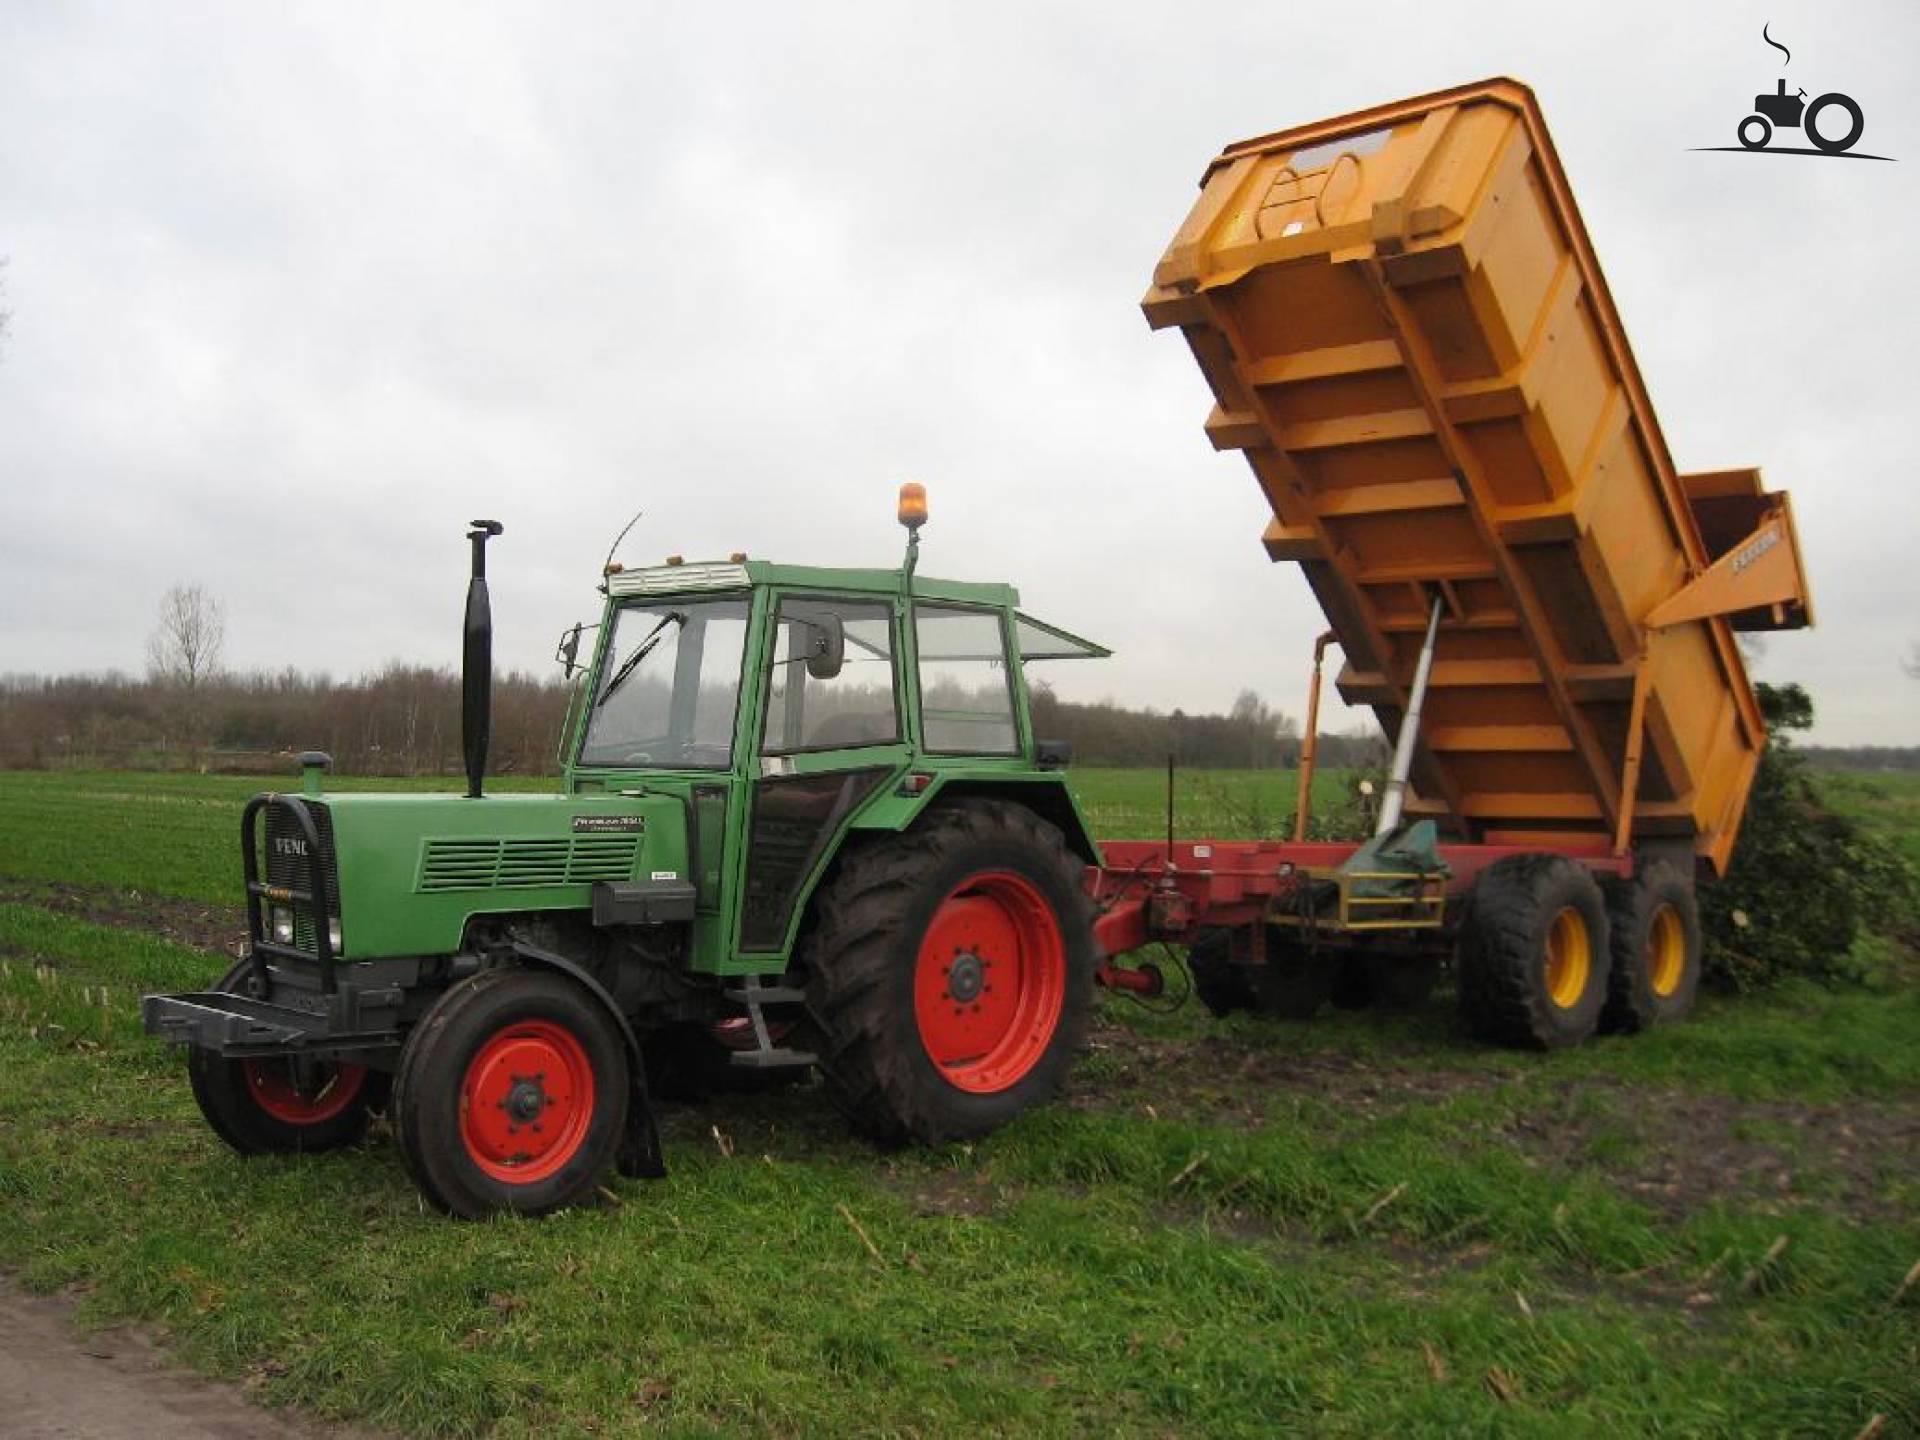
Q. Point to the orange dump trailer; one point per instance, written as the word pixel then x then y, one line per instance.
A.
pixel 1409 337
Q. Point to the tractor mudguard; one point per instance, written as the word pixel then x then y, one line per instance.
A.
pixel 641 1156
pixel 1047 795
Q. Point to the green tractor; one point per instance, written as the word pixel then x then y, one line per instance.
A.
pixel 804 823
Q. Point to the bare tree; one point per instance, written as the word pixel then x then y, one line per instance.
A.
pixel 184 649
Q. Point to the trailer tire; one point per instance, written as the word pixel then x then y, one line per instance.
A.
pixel 1534 958
pixel 1653 922
pixel 1402 982
pixel 1350 983
pixel 1295 982
pixel 996 885
pixel 259 1107
pixel 1222 985
pixel 489 1044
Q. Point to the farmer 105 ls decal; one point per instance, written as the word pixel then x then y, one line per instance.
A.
pixel 805 821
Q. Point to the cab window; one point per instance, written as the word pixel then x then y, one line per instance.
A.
pixel 966 690
pixel 832 681
pixel 669 687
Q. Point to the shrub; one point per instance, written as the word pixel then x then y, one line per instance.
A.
pixel 1805 881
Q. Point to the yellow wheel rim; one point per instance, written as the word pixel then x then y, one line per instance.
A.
pixel 1569 958
pixel 1666 951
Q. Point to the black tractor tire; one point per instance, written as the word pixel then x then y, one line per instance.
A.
pixel 1223 985
pixel 1534 959
pixel 1653 923
pixel 881 989
pixel 1759 141
pixel 1402 982
pixel 268 1107
pixel 535 1047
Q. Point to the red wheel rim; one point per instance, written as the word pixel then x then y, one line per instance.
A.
pixel 990 982
pixel 276 1091
pixel 527 1102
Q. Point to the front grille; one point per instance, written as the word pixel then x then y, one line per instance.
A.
pixel 287 867
pixel 493 864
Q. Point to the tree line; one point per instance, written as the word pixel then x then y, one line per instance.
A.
pixel 405 720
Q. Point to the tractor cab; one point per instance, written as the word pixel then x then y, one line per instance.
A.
pixel 783 706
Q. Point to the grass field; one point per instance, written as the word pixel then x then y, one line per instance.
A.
pixel 1361 1226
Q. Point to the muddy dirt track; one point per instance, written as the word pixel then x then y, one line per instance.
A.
pixel 59 1383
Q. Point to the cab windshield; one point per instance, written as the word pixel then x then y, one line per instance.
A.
pixel 668 688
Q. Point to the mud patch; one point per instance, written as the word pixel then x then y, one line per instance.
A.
pixel 216 929
pixel 1216 1078
pixel 1681 1152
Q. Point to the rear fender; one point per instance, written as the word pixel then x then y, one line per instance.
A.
pixel 1046 795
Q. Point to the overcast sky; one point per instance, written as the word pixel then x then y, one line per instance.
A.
pixel 298 290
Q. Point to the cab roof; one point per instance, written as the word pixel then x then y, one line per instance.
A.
pixel 696 575
pixel 1038 640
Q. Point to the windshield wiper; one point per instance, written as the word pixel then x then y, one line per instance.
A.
pixel 640 652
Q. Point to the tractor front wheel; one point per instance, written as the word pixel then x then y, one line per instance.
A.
pixel 278 1105
pixel 512 1095
pixel 950 973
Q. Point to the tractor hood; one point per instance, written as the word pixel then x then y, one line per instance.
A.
pixel 413 869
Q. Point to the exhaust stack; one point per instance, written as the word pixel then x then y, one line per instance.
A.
pixel 476 673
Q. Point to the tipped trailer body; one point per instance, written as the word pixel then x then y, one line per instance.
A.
pixel 1409 338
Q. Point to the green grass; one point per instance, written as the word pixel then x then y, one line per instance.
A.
pixel 1886 802
pixel 179 835
pixel 1356 1227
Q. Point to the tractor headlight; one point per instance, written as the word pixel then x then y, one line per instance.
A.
pixel 281 919
pixel 333 933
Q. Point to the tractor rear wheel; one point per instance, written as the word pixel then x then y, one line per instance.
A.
pixel 1654 924
pixel 950 973
pixel 512 1095
pixel 1534 958
pixel 279 1105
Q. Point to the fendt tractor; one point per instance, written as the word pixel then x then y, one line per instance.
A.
pixel 805 824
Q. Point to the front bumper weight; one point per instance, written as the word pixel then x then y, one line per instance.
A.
pixel 240 1026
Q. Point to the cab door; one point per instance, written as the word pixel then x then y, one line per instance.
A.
pixel 832 734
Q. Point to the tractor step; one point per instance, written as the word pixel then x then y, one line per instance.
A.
pixel 766 1055
pixel 770 1059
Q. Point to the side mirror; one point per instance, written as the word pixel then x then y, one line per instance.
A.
pixel 825 642
pixel 568 651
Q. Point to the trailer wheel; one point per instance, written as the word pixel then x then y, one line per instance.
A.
pixel 512 1095
pixel 1293 983
pixel 950 973
pixel 1401 982
pixel 1534 959
pixel 1222 985
pixel 1654 922
pixel 275 1106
